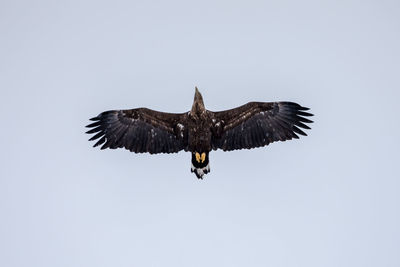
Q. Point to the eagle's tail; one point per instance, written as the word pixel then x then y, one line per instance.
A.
pixel 200 164
pixel 201 171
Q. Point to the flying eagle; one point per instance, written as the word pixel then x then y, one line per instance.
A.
pixel 199 131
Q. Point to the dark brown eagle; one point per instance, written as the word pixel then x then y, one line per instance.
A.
pixel 254 124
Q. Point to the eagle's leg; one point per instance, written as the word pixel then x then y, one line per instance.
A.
pixel 200 164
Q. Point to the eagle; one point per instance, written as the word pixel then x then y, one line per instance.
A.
pixel 255 124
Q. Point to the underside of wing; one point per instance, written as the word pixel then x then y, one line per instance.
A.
pixel 140 130
pixel 258 124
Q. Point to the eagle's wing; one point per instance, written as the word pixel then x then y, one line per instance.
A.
pixel 140 130
pixel 257 124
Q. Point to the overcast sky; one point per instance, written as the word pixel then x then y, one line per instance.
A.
pixel 328 199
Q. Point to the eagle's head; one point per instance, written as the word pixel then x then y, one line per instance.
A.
pixel 198 105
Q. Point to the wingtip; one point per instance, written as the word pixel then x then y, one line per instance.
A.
pixel 94 124
pixel 298 131
pixel 308 114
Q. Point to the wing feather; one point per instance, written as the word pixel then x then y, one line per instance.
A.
pixel 258 124
pixel 140 130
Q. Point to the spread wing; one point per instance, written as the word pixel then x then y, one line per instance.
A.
pixel 140 130
pixel 257 124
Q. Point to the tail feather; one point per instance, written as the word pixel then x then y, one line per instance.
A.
pixel 200 171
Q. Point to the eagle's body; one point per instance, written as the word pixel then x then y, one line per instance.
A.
pixel 199 131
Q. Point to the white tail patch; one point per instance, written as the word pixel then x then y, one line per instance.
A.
pixel 201 171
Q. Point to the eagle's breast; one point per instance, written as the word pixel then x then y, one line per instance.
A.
pixel 200 132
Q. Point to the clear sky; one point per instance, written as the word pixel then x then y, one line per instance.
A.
pixel 328 199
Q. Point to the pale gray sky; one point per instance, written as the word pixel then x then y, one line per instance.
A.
pixel 329 199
